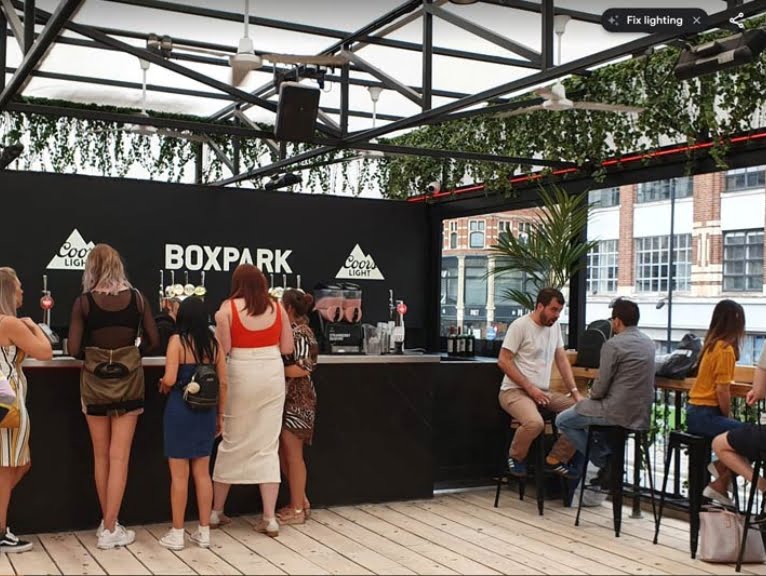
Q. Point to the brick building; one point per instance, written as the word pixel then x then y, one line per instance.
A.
pixel 718 239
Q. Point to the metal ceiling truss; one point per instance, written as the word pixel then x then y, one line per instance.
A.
pixel 331 136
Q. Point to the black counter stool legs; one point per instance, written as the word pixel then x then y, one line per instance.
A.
pixel 616 437
pixel 699 458
pixel 748 523
pixel 538 452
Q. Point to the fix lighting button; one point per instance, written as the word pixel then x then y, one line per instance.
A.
pixel 654 20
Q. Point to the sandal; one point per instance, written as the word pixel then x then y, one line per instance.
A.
pixel 292 516
pixel 218 519
pixel 269 527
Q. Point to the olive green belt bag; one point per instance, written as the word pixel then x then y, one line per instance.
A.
pixel 112 381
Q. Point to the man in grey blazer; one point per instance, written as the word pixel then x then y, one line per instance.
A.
pixel 624 391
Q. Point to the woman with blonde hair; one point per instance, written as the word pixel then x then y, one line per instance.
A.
pixel 300 405
pixel 254 330
pixel 18 337
pixel 108 320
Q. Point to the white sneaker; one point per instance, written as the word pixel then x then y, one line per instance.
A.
pixel 174 539
pixel 120 536
pixel 100 529
pixel 201 537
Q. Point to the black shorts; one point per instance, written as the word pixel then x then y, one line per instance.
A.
pixel 749 441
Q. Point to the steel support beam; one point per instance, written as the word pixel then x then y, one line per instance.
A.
pixel 172 123
pixel 3 48
pixel 318 31
pixel 344 100
pixel 14 22
pixel 29 24
pixel 58 19
pixel 276 166
pixel 428 54
pixel 548 59
pixel 634 47
pixel 486 34
pixel 387 81
pixel 232 166
pixel 527 6
pixel 460 155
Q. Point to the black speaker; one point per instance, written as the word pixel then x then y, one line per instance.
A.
pixel 297 112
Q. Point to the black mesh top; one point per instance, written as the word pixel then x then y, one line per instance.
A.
pixel 110 321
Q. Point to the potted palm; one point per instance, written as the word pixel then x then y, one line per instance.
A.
pixel 552 250
pixel 550 253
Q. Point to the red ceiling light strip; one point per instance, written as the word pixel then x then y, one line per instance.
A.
pixel 605 164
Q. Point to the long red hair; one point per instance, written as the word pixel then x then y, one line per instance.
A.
pixel 250 283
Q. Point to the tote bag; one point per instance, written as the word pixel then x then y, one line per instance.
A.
pixel 721 535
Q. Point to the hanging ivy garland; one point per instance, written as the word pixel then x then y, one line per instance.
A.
pixel 709 107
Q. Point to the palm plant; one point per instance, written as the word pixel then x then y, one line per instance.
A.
pixel 551 252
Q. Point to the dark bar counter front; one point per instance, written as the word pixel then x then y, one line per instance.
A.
pixel 388 428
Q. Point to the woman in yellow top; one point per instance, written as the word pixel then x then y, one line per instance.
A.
pixel 707 412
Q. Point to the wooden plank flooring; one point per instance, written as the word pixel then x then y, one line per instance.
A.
pixel 457 533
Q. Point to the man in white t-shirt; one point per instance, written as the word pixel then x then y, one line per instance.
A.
pixel 531 345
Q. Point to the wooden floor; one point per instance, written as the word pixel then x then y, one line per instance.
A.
pixel 452 534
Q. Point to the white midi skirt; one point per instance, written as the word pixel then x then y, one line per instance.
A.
pixel 249 450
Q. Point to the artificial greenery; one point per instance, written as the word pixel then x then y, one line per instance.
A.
pixel 552 250
pixel 714 107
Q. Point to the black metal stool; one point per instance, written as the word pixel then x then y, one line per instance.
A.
pixel 699 458
pixel 617 437
pixel 757 466
pixel 538 451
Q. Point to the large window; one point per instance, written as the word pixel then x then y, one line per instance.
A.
pixel 604 198
pixel 453 235
pixel 504 227
pixel 449 281
pixel 476 233
pixel 661 189
pixel 475 281
pixel 750 350
pixel 510 280
pixel 745 179
pixel 602 268
pixel 743 261
pixel 652 270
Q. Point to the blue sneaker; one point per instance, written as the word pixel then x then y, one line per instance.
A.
pixel 517 468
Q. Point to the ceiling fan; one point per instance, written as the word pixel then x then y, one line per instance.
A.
pixel 555 96
pixel 148 130
pixel 246 60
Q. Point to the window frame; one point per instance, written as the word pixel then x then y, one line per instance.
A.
pixel 480 229
pixel 757 276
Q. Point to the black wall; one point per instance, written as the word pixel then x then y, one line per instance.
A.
pixel 139 218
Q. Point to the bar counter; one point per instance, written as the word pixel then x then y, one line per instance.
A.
pixel 374 441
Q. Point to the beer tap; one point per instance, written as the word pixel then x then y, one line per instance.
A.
pixel 298 282
pixel 46 302
pixel 162 288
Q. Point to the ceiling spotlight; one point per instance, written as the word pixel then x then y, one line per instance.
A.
pixel 9 154
pixel 283 181
pixel 464 1
pixel 720 54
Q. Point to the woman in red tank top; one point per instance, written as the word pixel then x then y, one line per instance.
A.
pixel 253 329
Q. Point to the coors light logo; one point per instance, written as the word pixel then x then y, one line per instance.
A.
pixel 359 266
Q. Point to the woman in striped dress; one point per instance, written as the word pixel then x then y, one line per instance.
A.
pixel 18 337
pixel 300 405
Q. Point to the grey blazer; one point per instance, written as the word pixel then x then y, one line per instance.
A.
pixel 624 391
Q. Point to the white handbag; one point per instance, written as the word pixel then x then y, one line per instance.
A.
pixel 721 536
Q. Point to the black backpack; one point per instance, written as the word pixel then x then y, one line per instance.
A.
pixel 683 361
pixel 589 346
pixel 201 393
